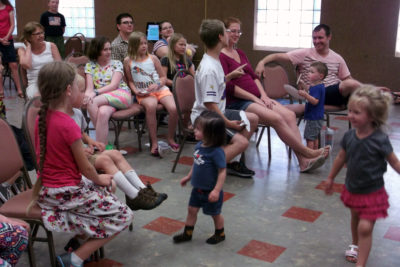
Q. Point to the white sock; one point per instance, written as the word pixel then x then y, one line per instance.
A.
pixel 75 260
pixel 124 185
pixel 134 179
pixel 237 158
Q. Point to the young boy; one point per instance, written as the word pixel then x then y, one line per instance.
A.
pixel 210 95
pixel 314 111
pixel 54 26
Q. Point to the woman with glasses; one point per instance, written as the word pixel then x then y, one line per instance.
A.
pixel 36 53
pixel 246 93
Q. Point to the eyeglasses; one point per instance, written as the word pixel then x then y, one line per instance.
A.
pixel 127 22
pixel 234 31
pixel 38 33
pixel 166 28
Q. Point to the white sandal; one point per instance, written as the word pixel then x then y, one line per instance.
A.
pixel 352 254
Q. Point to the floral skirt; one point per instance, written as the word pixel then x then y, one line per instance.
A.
pixel 87 209
pixel 369 206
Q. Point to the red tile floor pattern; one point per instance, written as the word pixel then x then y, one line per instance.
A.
pixel 337 188
pixel 393 233
pixel 103 263
pixel 151 180
pixel 302 214
pixel 165 225
pixel 130 149
pixel 186 160
pixel 228 196
pixel 261 251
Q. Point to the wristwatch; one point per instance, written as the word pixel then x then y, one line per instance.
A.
pixel 96 92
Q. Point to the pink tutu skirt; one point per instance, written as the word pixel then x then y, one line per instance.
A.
pixel 369 206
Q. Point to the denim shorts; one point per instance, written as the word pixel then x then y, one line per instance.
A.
pixel 199 199
pixel 240 105
pixel 232 115
pixel 312 129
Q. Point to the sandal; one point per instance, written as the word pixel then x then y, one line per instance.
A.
pixel 155 153
pixel 312 165
pixel 352 254
pixel 174 147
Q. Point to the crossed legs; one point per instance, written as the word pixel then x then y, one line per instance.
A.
pixel 100 112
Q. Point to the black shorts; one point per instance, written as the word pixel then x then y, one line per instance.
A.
pixel 333 96
pixel 8 52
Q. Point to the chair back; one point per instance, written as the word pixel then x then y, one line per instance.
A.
pixel 11 161
pixel 75 44
pixel 275 77
pixel 31 111
pixel 79 60
pixel 183 91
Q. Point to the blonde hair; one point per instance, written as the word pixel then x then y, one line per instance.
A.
pixel 28 29
pixel 376 102
pixel 172 55
pixel 53 81
pixel 134 44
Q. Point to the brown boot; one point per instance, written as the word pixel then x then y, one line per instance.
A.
pixel 150 191
pixel 144 201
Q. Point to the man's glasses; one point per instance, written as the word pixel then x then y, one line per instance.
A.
pixel 127 22
pixel 234 31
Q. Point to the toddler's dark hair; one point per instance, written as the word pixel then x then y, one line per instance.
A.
pixel 213 127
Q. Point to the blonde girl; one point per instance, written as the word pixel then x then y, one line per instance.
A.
pixel 176 58
pixel 69 201
pixel 366 149
pixel 147 81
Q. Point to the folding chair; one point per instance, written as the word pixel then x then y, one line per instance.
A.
pixel 75 44
pixel 184 96
pixel 16 206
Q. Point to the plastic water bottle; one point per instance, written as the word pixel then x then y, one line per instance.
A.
pixel 322 135
pixel 329 136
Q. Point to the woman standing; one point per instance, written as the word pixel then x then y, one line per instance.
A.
pixel 35 55
pixel 7 25
pixel 246 93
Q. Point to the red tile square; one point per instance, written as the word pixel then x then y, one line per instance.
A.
pixel 302 214
pixel 393 233
pixel 337 188
pixel 103 263
pixel 185 160
pixel 130 149
pixel 228 196
pixel 261 251
pixel 151 180
pixel 165 225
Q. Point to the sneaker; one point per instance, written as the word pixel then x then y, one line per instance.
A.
pixel 182 238
pixel 247 170
pixel 150 191
pixel 215 239
pixel 64 260
pixel 144 201
pixel 236 168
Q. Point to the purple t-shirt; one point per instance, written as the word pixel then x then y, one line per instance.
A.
pixel 245 82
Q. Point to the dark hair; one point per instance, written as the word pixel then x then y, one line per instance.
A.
pixel 320 67
pixel 230 20
pixel 6 2
pixel 210 30
pixel 96 46
pixel 324 27
pixel 123 15
pixel 213 128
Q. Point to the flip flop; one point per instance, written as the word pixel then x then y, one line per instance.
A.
pixel 312 165
pixel 174 147
pixel 155 153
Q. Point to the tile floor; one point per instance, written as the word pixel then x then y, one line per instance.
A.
pixel 278 218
